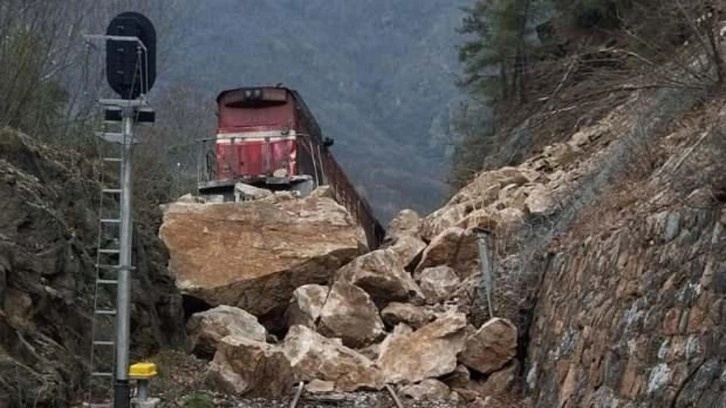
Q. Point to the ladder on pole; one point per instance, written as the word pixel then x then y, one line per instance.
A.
pixel 103 327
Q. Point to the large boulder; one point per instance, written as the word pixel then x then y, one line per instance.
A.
pixel 206 329
pixel 306 304
pixel 454 247
pixel 408 248
pixel 251 368
pixel 406 222
pixel 381 274
pixel 491 347
pixel 254 254
pixel 349 314
pixel 316 357
pixel 428 352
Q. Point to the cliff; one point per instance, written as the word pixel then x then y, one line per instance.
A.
pixel 48 232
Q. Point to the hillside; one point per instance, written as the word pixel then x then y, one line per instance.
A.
pixel 378 84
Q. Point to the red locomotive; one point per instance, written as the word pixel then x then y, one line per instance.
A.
pixel 267 137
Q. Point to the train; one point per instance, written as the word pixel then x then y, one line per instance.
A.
pixel 267 137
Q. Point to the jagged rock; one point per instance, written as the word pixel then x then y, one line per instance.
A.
pixel 251 368
pixel 498 382
pixel 244 191
pixel 406 222
pixel 381 275
pixel 206 329
pixel 305 306
pixel 455 247
pixel 411 315
pixel 350 315
pixel 539 201
pixel 371 351
pixel 315 357
pixel 320 387
pixel 438 283
pixel 407 248
pixel 483 218
pixel 425 353
pixel 443 218
pixel 459 378
pixel 48 242
pixel 491 347
pixel 254 254
pixel 427 390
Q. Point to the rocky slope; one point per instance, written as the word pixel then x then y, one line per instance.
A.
pixel 48 230
pixel 606 287
pixel 607 254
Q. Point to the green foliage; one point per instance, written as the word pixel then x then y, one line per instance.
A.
pixel 199 400
pixel 496 59
pixel 592 13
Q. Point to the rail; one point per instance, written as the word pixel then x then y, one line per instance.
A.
pixel 333 175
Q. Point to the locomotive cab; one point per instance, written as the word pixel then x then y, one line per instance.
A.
pixel 266 138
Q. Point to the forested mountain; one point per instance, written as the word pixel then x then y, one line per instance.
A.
pixel 377 74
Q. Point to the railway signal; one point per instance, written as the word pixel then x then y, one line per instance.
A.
pixel 131 73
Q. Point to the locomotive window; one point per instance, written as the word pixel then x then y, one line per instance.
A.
pixel 255 97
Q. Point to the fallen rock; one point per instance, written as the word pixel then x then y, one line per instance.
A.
pixel 443 218
pixel 455 247
pixel 406 222
pixel 498 382
pixel 427 390
pixel 491 347
pixel 206 329
pixel 459 378
pixel 320 387
pixel 350 315
pixel 411 315
pixel 381 275
pixel 306 304
pixel 438 283
pixel 254 254
pixel 483 218
pixel 539 201
pixel 251 368
pixel 316 357
pixel 244 191
pixel 425 353
pixel 408 248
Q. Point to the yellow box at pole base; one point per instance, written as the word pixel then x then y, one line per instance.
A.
pixel 142 370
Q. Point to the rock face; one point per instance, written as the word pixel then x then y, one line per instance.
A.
pixel 380 273
pixel 350 315
pixel 206 329
pixel 635 316
pixel 490 347
pixel 48 232
pixel 315 357
pixel 254 254
pixel 425 353
pixel 251 368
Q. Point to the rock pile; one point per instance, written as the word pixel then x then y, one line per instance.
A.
pixel 389 316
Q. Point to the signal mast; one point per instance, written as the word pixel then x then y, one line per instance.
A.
pixel 131 72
